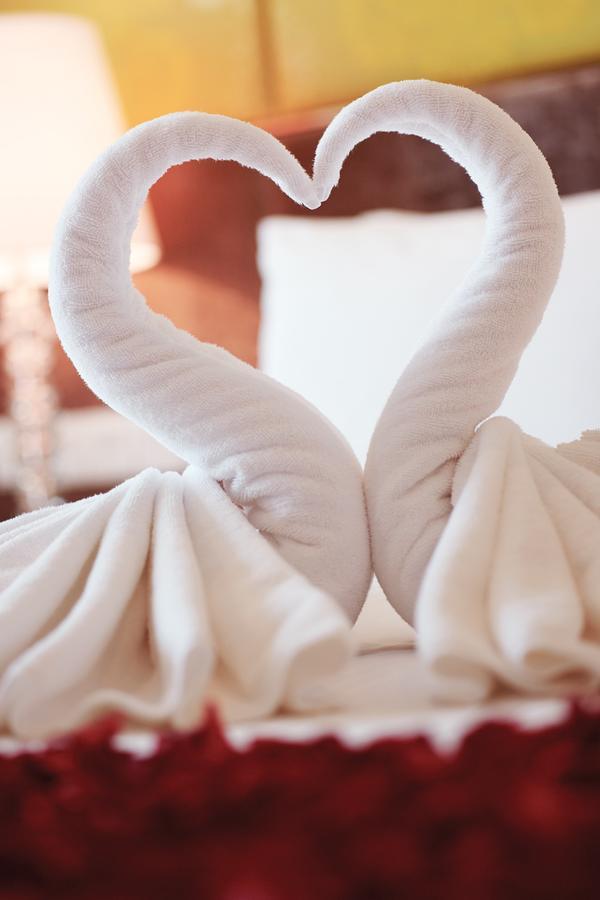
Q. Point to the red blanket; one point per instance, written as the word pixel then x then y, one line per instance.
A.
pixel 510 814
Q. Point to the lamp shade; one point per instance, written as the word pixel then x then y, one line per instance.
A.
pixel 60 109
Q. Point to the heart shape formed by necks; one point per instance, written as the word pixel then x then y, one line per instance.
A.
pixel 276 456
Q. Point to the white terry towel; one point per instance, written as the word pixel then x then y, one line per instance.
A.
pixel 512 593
pixel 237 580
pixel 500 555
pixel 153 599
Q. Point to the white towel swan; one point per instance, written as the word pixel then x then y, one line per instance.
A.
pixel 494 536
pixel 229 581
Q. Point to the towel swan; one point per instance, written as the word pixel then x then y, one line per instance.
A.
pixel 236 580
pixel 486 538
pixel 230 580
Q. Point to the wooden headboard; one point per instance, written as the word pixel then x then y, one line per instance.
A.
pixel 207 213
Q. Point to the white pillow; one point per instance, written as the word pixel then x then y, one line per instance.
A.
pixel 346 302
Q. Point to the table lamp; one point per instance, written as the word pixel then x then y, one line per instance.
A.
pixel 59 108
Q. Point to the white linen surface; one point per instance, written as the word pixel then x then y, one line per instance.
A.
pixel 238 580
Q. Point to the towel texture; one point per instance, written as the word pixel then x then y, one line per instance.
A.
pixel 152 599
pixel 459 377
pixel 274 454
pixel 511 596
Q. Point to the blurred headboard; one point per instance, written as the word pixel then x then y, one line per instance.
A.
pixel 560 110
pixel 207 213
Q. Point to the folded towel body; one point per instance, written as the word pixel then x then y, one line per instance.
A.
pixel 151 600
pixel 511 596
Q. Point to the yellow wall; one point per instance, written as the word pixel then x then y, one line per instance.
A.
pixel 248 57
pixel 336 49
pixel 175 54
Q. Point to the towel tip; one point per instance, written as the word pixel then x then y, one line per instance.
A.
pixel 313 203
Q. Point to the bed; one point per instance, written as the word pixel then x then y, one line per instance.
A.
pixel 209 284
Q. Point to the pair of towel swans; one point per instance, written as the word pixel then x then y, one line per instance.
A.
pixel 238 580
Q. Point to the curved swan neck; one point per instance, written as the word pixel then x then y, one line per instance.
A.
pixel 460 375
pixel 106 203
pixel 524 214
pixel 500 302
pixel 273 454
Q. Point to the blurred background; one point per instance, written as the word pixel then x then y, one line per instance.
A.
pixel 252 57
pixel 74 75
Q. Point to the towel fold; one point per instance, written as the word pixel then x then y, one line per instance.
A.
pixel 151 600
pixel 511 596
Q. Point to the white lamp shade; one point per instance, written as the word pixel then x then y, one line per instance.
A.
pixel 59 109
